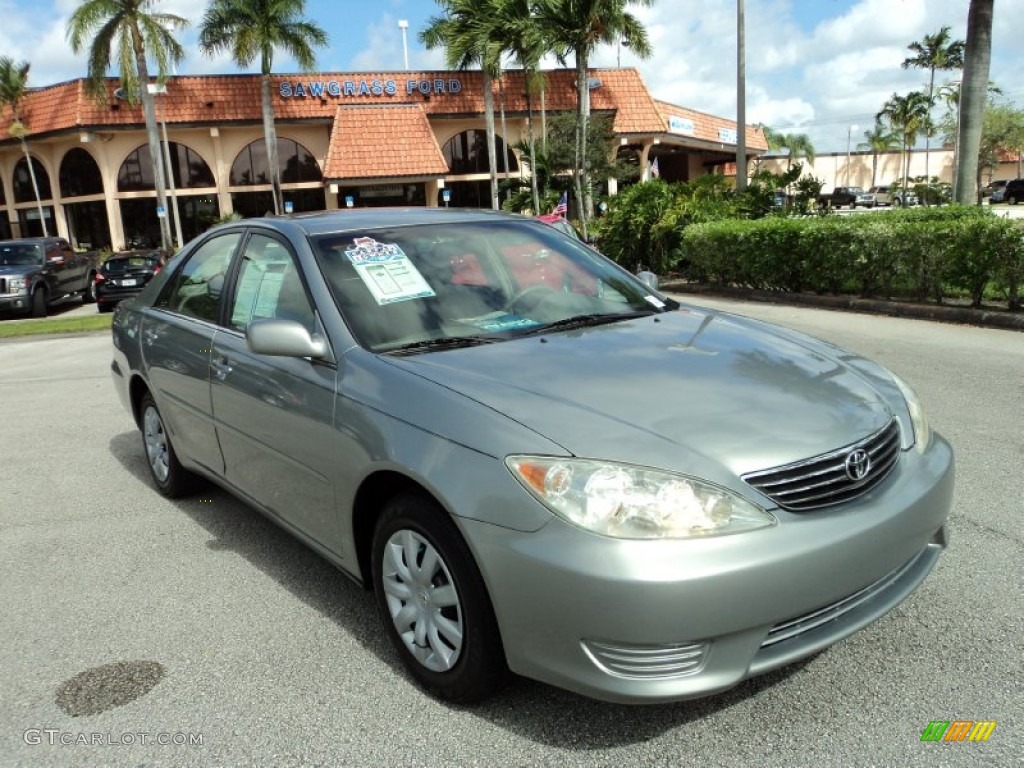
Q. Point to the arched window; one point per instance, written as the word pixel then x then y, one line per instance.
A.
pixel 79 174
pixel 467 153
pixel 297 164
pixel 188 167
pixel 23 192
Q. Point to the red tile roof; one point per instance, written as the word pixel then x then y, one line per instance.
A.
pixel 706 126
pixel 376 142
pixel 218 99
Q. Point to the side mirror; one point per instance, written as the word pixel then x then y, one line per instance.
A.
pixel 284 338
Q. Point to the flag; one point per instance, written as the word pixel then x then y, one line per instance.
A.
pixel 655 173
pixel 562 209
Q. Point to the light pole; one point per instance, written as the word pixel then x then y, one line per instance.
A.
pixel 849 135
pixel 403 24
pixel 155 89
pixel 618 54
pixel 741 97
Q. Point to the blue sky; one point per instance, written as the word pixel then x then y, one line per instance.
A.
pixel 813 66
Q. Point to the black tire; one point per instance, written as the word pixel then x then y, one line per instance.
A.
pixel 476 668
pixel 39 303
pixel 105 307
pixel 170 478
pixel 89 294
pixel 1012 199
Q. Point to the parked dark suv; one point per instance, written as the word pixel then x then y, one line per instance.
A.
pixel 1014 191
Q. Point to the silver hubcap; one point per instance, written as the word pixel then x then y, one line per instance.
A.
pixel 156 444
pixel 422 600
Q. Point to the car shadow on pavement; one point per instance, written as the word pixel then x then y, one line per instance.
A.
pixel 533 710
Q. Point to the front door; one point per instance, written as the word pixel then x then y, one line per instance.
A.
pixel 274 415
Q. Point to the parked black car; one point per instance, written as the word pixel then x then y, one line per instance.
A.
pixel 1014 192
pixel 124 275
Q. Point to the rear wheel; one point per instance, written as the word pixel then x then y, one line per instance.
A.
pixel 433 602
pixel 39 302
pixel 1012 199
pixel 171 479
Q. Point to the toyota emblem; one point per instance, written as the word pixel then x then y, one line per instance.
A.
pixel 858 464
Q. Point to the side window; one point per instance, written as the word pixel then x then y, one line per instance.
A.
pixel 197 287
pixel 269 286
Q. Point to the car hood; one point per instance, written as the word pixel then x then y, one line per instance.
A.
pixel 700 392
pixel 17 270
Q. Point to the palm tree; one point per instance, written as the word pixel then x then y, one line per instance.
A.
pixel 977 57
pixel 907 116
pixel 524 38
pixel 466 30
pixel 934 52
pixel 136 32
pixel 878 140
pixel 578 27
pixel 251 28
pixel 13 87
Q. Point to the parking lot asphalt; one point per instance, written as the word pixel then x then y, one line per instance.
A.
pixel 204 620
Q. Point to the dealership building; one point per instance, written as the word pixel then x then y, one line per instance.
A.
pixel 344 140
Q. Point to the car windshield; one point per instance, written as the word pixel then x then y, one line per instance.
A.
pixel 20 254
pixel 425 287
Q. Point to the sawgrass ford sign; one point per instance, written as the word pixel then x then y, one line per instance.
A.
pixel 340 88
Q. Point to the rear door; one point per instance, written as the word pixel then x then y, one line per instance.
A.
pixel 274 415
pixel 177 346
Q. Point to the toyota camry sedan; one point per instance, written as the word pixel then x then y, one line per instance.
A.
pixel 537 463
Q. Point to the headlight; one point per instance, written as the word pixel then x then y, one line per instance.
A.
pixel 630 502
pixel 18 284
pixel 922 436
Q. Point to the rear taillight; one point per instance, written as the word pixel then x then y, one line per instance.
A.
pixel 99 278
pixel 157 270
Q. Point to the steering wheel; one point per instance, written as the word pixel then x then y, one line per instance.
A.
pixel 532 296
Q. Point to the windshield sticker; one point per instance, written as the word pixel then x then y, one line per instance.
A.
pixel 503 321
pixel 655 301
pixel 387 272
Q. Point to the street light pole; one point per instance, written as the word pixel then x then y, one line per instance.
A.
pixel 849 136
pixel 741 97
pixel 403 24
pixel 165 161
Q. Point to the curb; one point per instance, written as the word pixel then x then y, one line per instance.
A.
pixel 1002 319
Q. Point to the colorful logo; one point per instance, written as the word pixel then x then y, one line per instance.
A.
pixel 958 730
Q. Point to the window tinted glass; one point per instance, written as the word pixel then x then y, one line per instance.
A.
pixel 412 284
pixel 196 289
pixel 269 286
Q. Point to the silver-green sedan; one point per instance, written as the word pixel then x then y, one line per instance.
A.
pixel 536 462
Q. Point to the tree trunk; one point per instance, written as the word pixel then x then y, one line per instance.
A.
pixel 149 111
pixel 504 128
pixel 489 125
pixel 582 176
pixel 35 184
pixel 533 145
pixel 270 137
pixel 977 57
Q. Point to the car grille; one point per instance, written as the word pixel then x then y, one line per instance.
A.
pixel 791 628
pixel 3 285
pixel 825 480
pixel 647 661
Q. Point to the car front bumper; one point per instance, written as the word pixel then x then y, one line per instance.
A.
pixel 655 621
pixel 15 302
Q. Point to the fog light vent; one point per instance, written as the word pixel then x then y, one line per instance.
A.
pixel 647 661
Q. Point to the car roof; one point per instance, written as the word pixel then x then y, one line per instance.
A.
pixel 328 222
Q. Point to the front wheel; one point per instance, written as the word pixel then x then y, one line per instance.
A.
pixel 39 303
pixel 433 602
pixel 89 294
pixel 171 479
pixel 1012 199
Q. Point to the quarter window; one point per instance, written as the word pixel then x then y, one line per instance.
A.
pixel 197 288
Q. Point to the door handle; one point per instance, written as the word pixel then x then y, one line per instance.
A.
pixel 221 368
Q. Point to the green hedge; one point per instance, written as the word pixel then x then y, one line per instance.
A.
pixel 924 253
